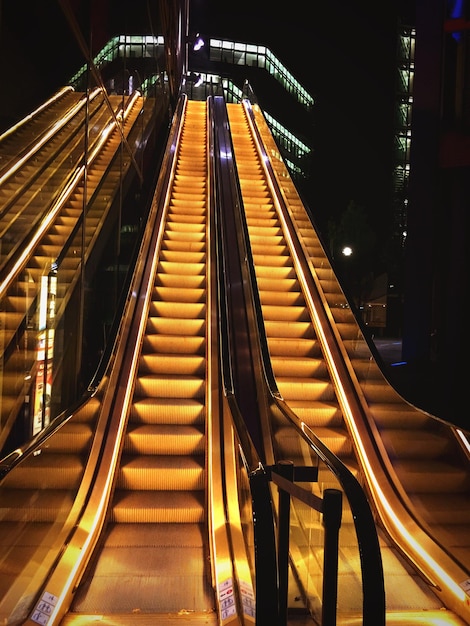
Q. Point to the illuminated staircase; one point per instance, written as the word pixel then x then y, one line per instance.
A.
pixel 303 379
pixel 57 243
pixel 36 499
pixel 296 354
pixel 157 531
pixel 33 179
pixel 429 464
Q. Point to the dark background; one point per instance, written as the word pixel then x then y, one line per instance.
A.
pixel 342 52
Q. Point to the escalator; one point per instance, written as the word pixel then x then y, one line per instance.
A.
pixel 137 526
pixel 38 501
pixel 315 512
pixel 156 534
pixel 325 375
pixel 33 178
pixel 19 139
pixel 47 237
pixel 134 527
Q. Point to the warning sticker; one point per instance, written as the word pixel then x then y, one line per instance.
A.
pixel 466 586
pixel 44 608
pixel 227 599
pixel 248 598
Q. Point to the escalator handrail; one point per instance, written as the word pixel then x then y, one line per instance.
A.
pixel 228 198
pixel 51 101
pixel 227 195
pixel 39 141
pixel 10 459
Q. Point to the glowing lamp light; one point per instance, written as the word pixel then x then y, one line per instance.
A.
pixel 198 44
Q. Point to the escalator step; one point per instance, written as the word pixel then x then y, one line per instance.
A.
pixel 148 535
pixel 170 507
pixel 285 313
pixel 192 281
pixel 178 326
pixel 337 440
pixel 293 346
pixel 289 329
pixel 306 389
pixel 423 445
pixel 298 366
pixel 165 439
pixel 168 411
pixel 72 437
pixel 191 310
pixel 183 364
pixel 165 472
pixel 28 503
pixel 399 415
pixel 172 344
pixel 179 245
pixel 57 471
pixel 183 256
pixel 170 386
pixel 431 477
pixel 317 414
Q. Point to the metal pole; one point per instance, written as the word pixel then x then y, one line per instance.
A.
pixel 332 511
pixel 286 470
pixel 267 605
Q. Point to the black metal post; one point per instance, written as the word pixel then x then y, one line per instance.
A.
pixel 332 511
pixel 267 609
pixel 286 470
